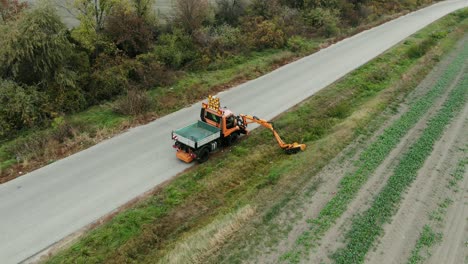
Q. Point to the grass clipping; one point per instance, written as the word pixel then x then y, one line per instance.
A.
pixel 196 247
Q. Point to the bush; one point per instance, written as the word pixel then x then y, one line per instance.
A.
pixel 21 107
pixel 324 21
pixel 218 41
pixel 417 50
pixel 129 32
pixel 61 129
pixel 229 11
pixel 148 72
pixel 108 79
pixel 299 44
pixel 260 34
pixel 266 9
pixel 190 15
pixel 175 49
pixel 136 102
pixel 290 21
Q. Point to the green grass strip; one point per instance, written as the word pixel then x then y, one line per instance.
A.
pixel 368 226
pixel 370 159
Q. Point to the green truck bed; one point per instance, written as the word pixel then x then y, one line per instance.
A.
pixel 197 134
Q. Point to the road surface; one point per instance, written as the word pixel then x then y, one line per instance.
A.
pixel 44 206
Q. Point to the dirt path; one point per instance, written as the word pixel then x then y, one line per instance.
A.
pixel 423 197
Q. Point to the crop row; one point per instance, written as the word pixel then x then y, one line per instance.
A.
pixel 369 160
pixel 428 237
pixel 368 226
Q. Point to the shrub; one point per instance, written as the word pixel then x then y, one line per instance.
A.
pixel 290 21
pixel 191 14
pixel 417 50
pixel 261 34
pixel 136 102
pixel 175 49
pixel 218 41
pixel 61 129
pixel 108 79
pixel 129 32
pixel 229 11
pixel 266 9
pixel 21 107
pixel 146 72
pixel 324 21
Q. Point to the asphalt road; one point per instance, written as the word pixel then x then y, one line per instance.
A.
pixel 46 205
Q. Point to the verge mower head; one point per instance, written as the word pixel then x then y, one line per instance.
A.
pixel 294 148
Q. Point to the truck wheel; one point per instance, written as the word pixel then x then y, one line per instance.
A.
pixel 231 139
pixel 203 155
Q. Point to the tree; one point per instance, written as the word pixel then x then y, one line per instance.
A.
pixel 129 31
pixel 190 14
pixel 229 11
pixel 36 52
pixel 34 46
pixel 92 14
pixel 10 9
pixel 142 7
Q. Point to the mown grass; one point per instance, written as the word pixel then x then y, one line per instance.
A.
pixel 368 226
pixel 373 156
pixel 253 172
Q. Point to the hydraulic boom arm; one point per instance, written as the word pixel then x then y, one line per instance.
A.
pixel 244 120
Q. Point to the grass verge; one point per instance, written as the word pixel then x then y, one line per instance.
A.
pixel 255 171
pixel 368 226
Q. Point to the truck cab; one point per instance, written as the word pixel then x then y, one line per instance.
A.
pixel 224 119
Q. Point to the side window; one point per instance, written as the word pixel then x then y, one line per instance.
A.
pixel 230 122
pixel 213 117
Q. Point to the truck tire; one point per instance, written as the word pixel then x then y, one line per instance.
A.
pixel 202 155
pixel 231 139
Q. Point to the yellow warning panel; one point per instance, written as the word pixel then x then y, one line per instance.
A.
pixel 213 103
